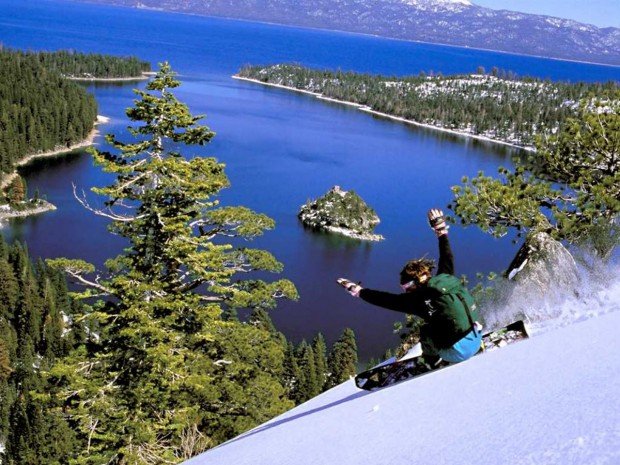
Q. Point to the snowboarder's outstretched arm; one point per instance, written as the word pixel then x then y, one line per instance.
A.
pixel 413 300
pixel 406 302
pixel 438 224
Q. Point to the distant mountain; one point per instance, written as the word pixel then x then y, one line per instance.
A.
pixel 451 22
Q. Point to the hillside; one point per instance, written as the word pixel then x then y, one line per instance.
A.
pixel 551 399
pixel 450 22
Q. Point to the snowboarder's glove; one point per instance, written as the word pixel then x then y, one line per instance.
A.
pixel 437 222
pixel 350 286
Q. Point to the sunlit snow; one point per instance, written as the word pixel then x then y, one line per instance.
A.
pixel 426 3
pixel 552 399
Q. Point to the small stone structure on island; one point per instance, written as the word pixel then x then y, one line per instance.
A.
pixel 341 212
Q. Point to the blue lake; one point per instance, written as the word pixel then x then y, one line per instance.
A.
pixel 281 148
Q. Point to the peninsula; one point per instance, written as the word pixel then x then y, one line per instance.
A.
pixel 90 78
pixel 45 114
pixel 34 206
pixel 497 106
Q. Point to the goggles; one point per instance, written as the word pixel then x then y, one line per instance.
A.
pixel 410 285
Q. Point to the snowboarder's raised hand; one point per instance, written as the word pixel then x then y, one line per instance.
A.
pixel 437 222
pixel 350 286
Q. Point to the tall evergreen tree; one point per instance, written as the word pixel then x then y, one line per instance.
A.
pixel 5 362
pixel 166 376
pixel 342 359
pixel 291 374
pixel 260 318
pixel 16 192
pixel 9 289
pixel 308 377
pixel 320 359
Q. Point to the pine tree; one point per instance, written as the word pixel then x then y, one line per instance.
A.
pixel 291 374
pixel 320 359
pixel 165 367
pixel 569 188
pixel 17 191
pixel 5 362
pixel 260 318
pixel 9 290
pixel 342 359
pixel 309 380
pixel 18 444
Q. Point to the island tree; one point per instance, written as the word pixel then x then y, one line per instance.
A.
pixel 569 188
pixel 163 375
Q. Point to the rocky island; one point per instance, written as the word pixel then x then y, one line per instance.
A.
pixel 341 212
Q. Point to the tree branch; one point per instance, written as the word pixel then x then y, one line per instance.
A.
pixel 82 200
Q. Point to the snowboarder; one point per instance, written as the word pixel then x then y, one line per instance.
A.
pixel 451 331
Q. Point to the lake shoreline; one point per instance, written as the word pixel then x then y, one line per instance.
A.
pixel 44 205
pixel 60 150
pixel 143 77
pixel 353 235
pixel 368 109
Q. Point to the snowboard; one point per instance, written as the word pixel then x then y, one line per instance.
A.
pixel 394 371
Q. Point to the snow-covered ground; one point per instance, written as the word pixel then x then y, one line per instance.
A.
pixel 552 399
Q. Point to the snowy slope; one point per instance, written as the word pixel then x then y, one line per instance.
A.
pixel 552 399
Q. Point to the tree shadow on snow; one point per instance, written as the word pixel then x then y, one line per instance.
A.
pixel 282 421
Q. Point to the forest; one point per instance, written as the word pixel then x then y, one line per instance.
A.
pixel 39 109
pixel 41 331
pixel 498 105
pixel 42 110
pixel 91 65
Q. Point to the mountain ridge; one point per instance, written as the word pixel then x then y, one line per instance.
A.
pixel 446 22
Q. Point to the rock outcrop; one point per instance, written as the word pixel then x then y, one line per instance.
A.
pixel 341 212
pixel 541 275
pixel 543 263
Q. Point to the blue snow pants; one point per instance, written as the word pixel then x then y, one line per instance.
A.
pixel 465 348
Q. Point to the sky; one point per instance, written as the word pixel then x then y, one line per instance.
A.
pixel 551 399
pixel 602 13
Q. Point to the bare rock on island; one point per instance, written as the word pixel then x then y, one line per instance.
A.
pixel 341 212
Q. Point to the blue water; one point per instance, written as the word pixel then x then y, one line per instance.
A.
pixel 281 148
